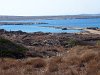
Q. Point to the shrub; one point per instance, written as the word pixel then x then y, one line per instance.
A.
pixel 73 60
pixel 36 63
pixel 56 60
pixel 53 67
pixel 39 63
pixel 10 49
pixel 98 43
pixel 72 42
pixel 88 56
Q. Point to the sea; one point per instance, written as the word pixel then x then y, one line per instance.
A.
pixel 51 23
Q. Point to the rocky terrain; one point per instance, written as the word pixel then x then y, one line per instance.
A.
pixel 40 53
pixel 48 44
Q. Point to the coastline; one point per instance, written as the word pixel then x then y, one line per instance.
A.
pixel 42 53
pixel 90 31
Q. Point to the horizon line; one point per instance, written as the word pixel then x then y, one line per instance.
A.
pixel 51 15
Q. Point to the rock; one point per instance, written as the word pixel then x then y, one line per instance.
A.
pixel 64 28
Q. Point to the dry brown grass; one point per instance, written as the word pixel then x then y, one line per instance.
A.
pixel 37 62
pixel 79 60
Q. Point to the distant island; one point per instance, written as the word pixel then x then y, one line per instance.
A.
pixel 81 16
pixel 21 23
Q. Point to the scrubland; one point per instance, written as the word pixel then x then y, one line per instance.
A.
pixel 78 60
pixel 49 54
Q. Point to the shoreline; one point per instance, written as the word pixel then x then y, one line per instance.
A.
pixel 90 31
pixel 82 30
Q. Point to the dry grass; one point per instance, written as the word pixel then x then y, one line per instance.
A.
pixel 36 63
pixel 79 60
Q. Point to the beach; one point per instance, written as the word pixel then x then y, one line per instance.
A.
pixel 92 31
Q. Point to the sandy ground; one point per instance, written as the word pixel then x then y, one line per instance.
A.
pixel 92 31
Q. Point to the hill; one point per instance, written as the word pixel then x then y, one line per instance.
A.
pixel 48 17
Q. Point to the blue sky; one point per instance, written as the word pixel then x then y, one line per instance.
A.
pixel 48 7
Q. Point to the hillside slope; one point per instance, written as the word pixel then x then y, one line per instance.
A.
pixel 10 49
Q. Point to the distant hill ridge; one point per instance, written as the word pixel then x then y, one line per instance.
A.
pixel 81 16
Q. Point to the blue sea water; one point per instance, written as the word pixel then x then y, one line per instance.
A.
pixel 81 23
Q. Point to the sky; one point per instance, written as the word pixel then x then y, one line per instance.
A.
pixel 48 7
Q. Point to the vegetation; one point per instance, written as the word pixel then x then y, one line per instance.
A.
pixel 47 54
pixel 80 60
pixel 10 49
pixel 98 42
pixel 72 42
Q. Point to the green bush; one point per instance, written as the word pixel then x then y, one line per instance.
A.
pixel 72 42
pixel 98 43
pixel 10 49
